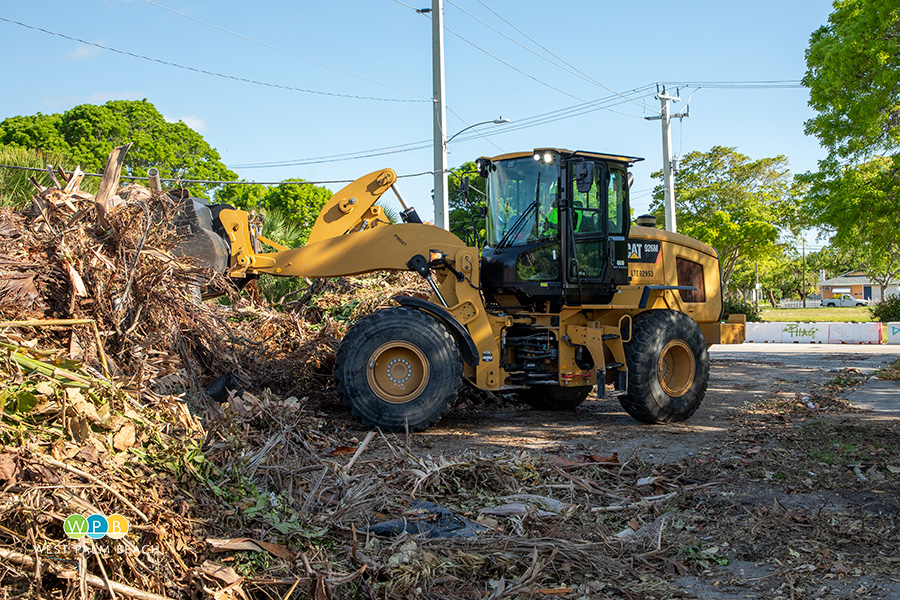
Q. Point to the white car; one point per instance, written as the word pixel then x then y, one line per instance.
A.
pixel 845 300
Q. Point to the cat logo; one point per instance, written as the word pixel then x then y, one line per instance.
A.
pixel 634 251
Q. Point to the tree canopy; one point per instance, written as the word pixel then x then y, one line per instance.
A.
pixel 296 203
pixel 87 133
pixel 858 207
pixel 853 76
pixel 466 208
pixel 733 203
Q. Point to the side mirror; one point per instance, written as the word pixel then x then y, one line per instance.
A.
pixel 630 179
pixel 584 176
pixel 484 167
pixel 464 189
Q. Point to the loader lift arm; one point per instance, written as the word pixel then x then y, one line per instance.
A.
pixel 352 237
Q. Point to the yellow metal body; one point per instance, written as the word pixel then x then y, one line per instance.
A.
pixel 351 237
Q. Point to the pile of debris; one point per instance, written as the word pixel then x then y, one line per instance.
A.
pixel 104 345
pixel 69 259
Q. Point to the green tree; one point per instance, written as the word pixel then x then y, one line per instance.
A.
pixel 853 76
pixel 466 208
pixel 833 260
pixel 734 204
pixel 295 203
pixel 16 189
pixel 857 206
pixel 88 133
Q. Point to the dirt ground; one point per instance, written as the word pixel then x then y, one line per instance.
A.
pixel 804 495
pixel 738 380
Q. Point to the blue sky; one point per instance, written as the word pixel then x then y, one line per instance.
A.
pixel 366 66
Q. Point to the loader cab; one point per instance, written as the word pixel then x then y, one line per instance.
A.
pixel 556 228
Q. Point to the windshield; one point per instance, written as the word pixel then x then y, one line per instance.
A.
pixel 522 207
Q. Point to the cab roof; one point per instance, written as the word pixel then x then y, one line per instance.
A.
pixel 630 160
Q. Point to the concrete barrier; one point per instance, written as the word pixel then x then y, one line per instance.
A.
pixel 764 332
pixel 854 333
pixel 804 333
pixel 892 333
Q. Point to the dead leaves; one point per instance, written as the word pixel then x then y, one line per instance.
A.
pixel 19 289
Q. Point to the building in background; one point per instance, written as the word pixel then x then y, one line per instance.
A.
pixel 857 284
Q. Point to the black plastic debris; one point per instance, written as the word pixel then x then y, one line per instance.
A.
pixel 218 389
pixel 431 520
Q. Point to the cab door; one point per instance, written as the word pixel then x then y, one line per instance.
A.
pixel 598 221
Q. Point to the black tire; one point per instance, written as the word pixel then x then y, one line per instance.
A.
pixel 398 366
pixel 668 367
pixel 830 304
pixel 554 397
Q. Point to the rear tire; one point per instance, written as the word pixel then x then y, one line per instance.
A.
pixel 554 397
pixel 398 366
pixel 668 367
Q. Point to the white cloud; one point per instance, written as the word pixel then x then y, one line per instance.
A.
pixel 83 52
pixel 194 122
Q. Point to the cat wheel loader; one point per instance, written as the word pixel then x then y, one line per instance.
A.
pixel 565 298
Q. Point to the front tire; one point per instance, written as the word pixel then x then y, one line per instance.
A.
pixel 398 367
pixel 668 367
pixel 554 397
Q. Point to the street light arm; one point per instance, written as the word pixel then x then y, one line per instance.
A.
pixel 495 122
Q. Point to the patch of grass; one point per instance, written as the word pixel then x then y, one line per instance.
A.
pixel 842 445
pixel 851 314
pixel 891 373
pixel 846 380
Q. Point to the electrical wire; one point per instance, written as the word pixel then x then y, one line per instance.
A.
pixel 497 58
pixel 516 69
pixel 215 181
pixel 773 84
pixel 534 121
pixel 545 49
pixel 204 71
pixel 567 68
pixel 287 52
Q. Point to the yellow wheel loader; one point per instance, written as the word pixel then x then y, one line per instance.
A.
pixel 565 298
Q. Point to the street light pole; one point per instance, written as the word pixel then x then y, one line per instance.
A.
pixel 441 193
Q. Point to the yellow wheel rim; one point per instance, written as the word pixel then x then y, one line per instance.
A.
pixel 397 372
pixel 676 368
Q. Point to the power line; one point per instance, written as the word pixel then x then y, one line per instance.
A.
pixel 271 47
pixel 516 69
pixel 545 49
pixel 215 181
pixel 204 71
pixel 497 58
pixel 773 84
pixel 534 121
pixel 521 45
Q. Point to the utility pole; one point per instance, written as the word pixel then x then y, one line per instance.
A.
pixel 441 193
pixel 803 288
pixel 756 287
pixel 666 117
